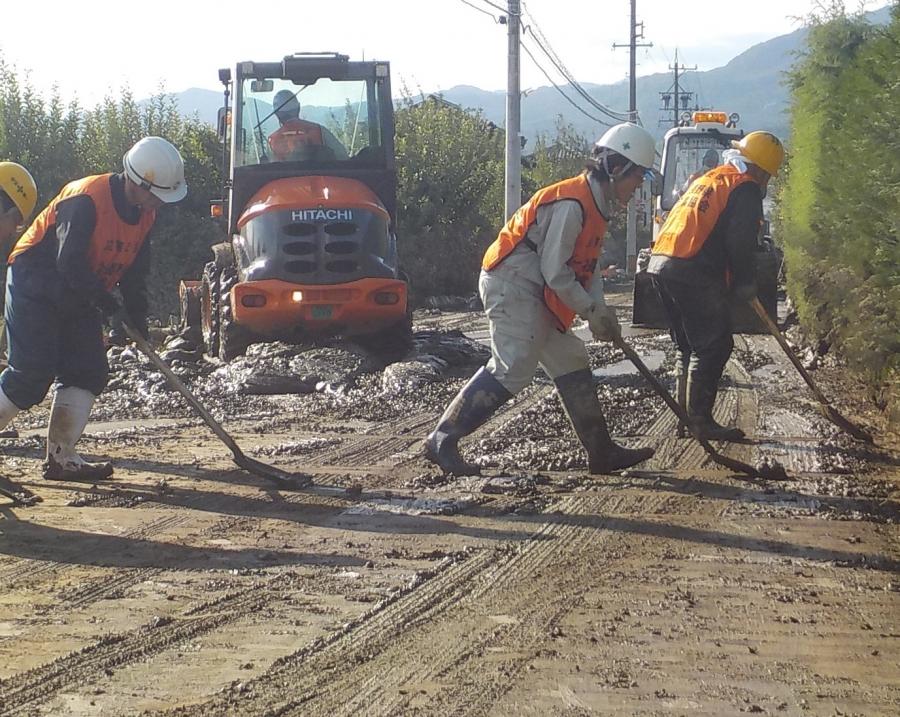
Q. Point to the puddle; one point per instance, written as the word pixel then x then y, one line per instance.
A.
pixel 653 359
pixel 412 506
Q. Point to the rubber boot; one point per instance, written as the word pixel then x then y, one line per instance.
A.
pixel 681 384
pixel 702 392
pixel 579 399
pixel 68 418
pixel 473 405
pixel 8 410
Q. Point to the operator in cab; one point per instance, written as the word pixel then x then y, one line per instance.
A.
pixel 704 255
pixel 710 161
pixel 300 139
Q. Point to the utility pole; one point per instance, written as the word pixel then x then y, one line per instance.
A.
pixel 513 113
pixel 631 226
pixel 679 69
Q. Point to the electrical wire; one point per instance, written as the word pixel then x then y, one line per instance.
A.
pixel 504 10
pixel 479 9
pixel 528 52
pixel 540 39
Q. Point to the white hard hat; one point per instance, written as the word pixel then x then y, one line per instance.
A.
pixel 154 164
pixel 632 142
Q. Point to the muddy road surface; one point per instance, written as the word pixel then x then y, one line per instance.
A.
pixel 189 587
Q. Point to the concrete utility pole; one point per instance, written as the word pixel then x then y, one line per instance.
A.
pixel 682 98
pixel 679 69
pixel 513 113
pixel 631 226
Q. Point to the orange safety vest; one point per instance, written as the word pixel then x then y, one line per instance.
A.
pixel 694 216
pixel 587 245
pixel 292 135
pixel 114 243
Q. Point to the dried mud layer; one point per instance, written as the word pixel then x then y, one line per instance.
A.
pixel 187 586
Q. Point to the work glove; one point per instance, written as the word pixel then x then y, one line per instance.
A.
pixel 744 292
pixel 602 322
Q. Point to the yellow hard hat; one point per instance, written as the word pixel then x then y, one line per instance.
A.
pixel 19 186
pixel 764 149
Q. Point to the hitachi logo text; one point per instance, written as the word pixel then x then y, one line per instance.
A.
pixel 322 215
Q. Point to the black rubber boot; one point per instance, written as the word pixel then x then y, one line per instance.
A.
pixel 702 392
pixel 681 384
pixel 473 405
pixel 579 399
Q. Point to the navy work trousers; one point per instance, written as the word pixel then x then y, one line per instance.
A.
pixel 51 336
pixel 700 324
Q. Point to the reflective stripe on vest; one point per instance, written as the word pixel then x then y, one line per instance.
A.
pixel 694 216
pixel 114 243
pixel 587 245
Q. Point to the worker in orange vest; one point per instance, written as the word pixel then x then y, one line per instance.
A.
pixel 297 139
pixel 703 255
pixel 88 240
pixel 18 197
pixel 536 277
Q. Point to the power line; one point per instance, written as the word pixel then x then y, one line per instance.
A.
pixel 541 40
pixel 528 52
pixel 479 9
pixel 504 10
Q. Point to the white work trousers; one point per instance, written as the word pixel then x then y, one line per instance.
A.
pixel 524 333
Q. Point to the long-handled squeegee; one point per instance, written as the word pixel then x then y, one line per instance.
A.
pixel 283 478
pixel 770 471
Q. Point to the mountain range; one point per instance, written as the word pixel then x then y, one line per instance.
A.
pixel 753 84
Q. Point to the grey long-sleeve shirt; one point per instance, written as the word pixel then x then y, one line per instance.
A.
pixel 553 236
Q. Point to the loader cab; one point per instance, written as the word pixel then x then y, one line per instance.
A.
pixel 344 126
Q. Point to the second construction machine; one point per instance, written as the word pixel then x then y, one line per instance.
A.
pixel 309 206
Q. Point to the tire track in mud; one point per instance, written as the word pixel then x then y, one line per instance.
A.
pixel 112 651
pixel 504 606
pixel 495 596
pixel 493 599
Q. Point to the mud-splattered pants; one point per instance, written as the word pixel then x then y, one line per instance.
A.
pixel 524 333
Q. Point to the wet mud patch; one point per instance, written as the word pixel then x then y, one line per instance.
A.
pixel 422 505
pixel 302 447
pixel 824 497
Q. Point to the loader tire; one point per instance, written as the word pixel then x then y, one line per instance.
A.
pixel 391 343
pixel 210 291
pixel 191 315
pixel 233 338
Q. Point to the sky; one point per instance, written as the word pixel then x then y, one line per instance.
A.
pixel 95 48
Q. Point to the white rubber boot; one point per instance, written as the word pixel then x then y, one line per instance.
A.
pixel 8 410
pixel 68 417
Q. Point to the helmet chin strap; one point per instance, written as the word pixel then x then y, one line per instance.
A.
pixel 622 171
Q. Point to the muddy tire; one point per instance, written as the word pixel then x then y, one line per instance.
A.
pixel 209 308
pixel 191 316
pixel 233 338
pixel 392 343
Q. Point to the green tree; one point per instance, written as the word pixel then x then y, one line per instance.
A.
pixel 60 143
pixel 840 201
pixel 450 193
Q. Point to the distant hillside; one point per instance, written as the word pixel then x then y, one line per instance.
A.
pixel 751 84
